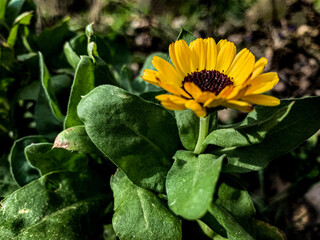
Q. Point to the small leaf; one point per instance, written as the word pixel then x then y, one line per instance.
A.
pixel 21 169
pixel 47 87
pixel 75 139
pixel 251 131
pixel 83 83
pixel 72 58
pixel 299 124
pixel 188 126
pixel 140 137
pixel 24 18
pixel 138 207
pixel 267 232
pixel 3 7
pixel 191 183
pixel 47 159
pixel 186 36
pixel 125 79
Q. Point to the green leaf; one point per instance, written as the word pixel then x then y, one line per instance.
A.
pixel 75 139
pixel 47 159
pixel 186 36
pixel 188 126
pixel 83 83
pixel 72 58
pixel 21 169
pixel 191 183
pixel 51 41
pixel 48 90
pixel 251 131
pixel 103 74
pixel 267 232
pixel 13 9
pixel 3 6
pixel 7 182
pixel 140 137
pixel 61 205
pixel 140 214
pixel 231 212
pixel 300 123
pixel 24 18
pixel 141 86
pixel 125 79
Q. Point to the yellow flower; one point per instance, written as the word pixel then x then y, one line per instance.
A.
pixel 207 75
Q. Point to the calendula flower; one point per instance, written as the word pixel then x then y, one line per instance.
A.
pixel 207 75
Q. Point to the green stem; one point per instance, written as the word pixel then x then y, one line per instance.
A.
pixel 203 132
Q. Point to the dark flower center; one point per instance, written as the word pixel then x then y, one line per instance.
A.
pixel 208 80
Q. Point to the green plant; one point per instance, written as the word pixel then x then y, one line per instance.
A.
pixel 102 159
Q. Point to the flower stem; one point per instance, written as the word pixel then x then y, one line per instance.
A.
pixel 203 132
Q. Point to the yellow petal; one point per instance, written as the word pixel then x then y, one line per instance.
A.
pixel 205 96
pixel 262 83
pixel 196 108
pixel 173 106
pixel 199 50
pixel 172 102
pixel 168 72
pixel 241 67
pixel 174 89
pixel 150 76
pixel 183 56
pixel 173 57
pixel 220 44
pixel 258 67
pixel 171 98
pixel 225 57
pixel 192 89
pixel 211 54
pixel 213 102
pixel 239 105
pixel 264 100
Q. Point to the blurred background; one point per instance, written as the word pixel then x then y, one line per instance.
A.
pixel 286 32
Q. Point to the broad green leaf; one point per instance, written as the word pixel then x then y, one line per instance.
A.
pixel 56 206
pixel 267 232
pixel 191 182
pixel 72 58
pixel 75 139
pixel 231 212
pixel 299 124
pixel 186 36
pixel 251 131
pixel 21 169
pixel 83 83
pixel 7 182
pixel 3 6
pixel 141 86
pixel 140 137
pixel 47 159
pixel 48 90
pixel 140 214
pixel 188 126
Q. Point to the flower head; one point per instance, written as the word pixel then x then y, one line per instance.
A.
pixel 207 75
